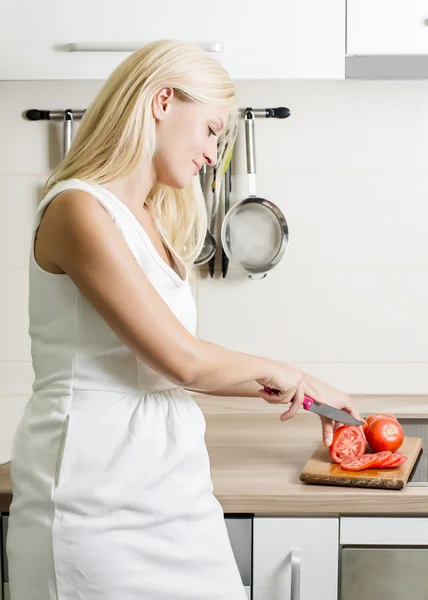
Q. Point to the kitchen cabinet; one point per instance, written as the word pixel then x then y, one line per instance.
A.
pixel 387 27
pixel 295 558
pixel 287 39
pixel 383 558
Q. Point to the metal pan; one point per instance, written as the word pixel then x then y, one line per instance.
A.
pixel 254 232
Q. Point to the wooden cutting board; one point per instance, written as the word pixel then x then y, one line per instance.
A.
pixel 322 470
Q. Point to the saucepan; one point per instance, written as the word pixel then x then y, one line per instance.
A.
pixel 254 232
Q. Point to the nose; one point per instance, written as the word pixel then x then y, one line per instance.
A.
pixel 210 156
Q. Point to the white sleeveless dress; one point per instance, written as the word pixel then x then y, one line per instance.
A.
pixel 112 495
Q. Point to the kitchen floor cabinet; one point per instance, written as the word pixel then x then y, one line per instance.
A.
pixel 295 559
pixel 387 27
pixel 287 39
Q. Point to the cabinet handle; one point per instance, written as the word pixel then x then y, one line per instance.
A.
pixel 296 563
pixel 97 47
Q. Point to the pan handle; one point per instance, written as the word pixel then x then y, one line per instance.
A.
pixel 68 131
pixel 251 152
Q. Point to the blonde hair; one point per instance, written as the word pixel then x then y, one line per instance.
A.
pixel 118 129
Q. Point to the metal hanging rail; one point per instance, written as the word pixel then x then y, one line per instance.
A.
pixel 68 116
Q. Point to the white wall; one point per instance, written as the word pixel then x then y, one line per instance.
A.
pixel 349 169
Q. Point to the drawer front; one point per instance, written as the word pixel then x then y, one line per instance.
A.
pixel 383 531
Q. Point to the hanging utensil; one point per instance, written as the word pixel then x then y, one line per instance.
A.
pixel 213 224
pixel 254 233
pixel 227 191
pixel 210 246
pixel 67 131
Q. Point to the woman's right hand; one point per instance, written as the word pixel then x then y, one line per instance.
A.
pixel 283 386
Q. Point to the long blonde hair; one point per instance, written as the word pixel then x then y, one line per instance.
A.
pixel 118 129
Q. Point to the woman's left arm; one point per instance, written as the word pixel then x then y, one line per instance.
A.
pixel 243 390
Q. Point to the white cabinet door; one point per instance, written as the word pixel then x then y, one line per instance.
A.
pixel 387 27
pixel 295 559
pixel 286 38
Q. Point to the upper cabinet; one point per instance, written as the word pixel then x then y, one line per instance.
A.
pixel 387 27
pixel 303 39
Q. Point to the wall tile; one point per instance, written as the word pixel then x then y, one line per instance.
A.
pixel 319 315
pixel 35 147
pixel 339 126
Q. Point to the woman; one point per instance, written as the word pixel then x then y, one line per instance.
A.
pixel 112 496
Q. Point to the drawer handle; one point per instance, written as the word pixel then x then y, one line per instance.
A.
pixel 105 47
pixel 296 563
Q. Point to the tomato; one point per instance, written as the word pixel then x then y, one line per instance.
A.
pixel 364 427
pixel 371 418
pixel 382 457
pixel 395 460
pixel 366 461
pixel 385 433
pixel 348 442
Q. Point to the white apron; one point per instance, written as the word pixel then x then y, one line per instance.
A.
pixel 112 495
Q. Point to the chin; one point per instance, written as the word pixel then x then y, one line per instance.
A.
pixel 176 183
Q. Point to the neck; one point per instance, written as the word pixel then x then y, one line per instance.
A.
pixel 133 189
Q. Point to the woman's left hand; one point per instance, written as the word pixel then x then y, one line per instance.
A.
pixel 329 395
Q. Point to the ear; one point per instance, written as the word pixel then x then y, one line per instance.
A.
pixel 162 102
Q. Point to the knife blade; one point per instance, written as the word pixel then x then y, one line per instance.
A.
pixel 336 414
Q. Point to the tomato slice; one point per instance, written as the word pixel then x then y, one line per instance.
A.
pixel 366 461
pixel 348 442
pixel 382 457
pixel 395 460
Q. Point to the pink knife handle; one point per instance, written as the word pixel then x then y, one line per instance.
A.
pixel 307 402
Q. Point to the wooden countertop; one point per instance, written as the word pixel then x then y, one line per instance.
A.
pixel 256 461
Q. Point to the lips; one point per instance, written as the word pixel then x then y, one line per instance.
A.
pixel 197 165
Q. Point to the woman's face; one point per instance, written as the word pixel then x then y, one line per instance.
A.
pixel 187 136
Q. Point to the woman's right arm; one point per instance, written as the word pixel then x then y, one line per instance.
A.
pixel 84 242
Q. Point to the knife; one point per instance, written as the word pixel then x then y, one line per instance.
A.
pixel 342 416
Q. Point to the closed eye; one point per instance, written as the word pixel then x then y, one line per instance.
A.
pixel 211 131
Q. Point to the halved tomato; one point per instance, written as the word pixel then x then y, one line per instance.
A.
pixel 395 460
pixel 366 461
pixel 348 442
